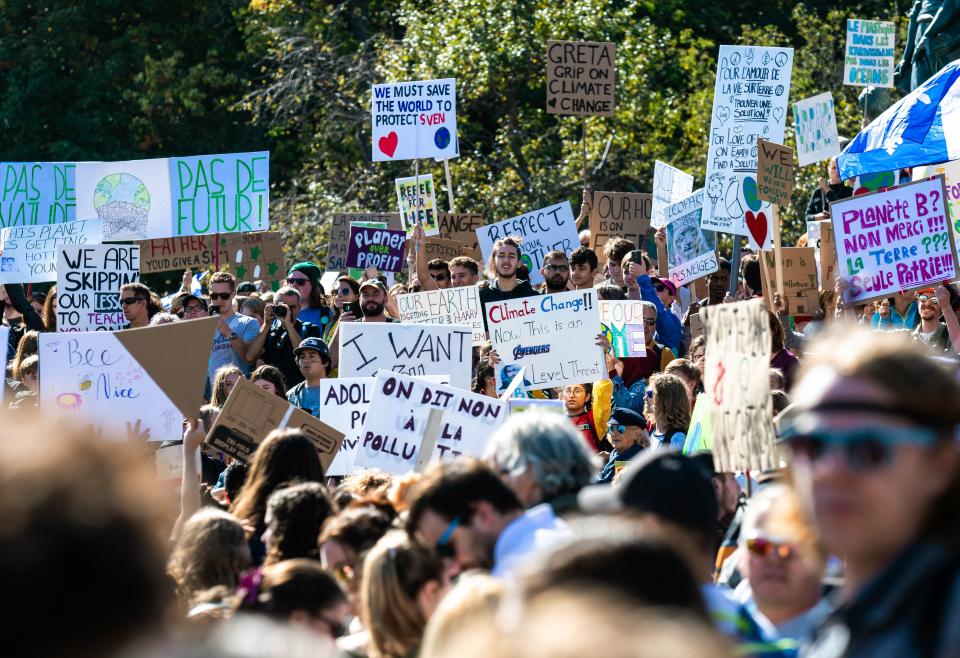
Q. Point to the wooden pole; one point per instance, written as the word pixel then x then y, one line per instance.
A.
pixel 416 188
pixel 583 152
pixel 777 249
pixel 734 265
pixel 446 171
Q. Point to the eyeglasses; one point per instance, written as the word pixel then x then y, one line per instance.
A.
pixel 439 277
pixel 196 308
pixel 650 322
pixel 344 291
pixel 297 281
pixel 864 449
pixel 127 301
pixel 764 547
pixel 619 429
pixel 928 298
pixel 574 391
pixel 557 268
pixel 443 547
pixel 220 295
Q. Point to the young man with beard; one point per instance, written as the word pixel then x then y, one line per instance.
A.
pixel 583 268
pixel 556 272
pixel 938 336
pixel 373 301
pixel 504 260
pixel 313 357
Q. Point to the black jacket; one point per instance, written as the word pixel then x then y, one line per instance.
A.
pixel 816 206
pixel 491 292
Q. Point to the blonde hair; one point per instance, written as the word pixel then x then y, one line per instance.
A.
pixel 670 402
pixel 474 600
pixel 219 394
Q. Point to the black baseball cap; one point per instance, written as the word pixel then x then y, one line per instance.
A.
pixel 628 417
pixel 661 482
pixel 312 343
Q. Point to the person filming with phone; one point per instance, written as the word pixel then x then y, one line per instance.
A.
pixel 281 334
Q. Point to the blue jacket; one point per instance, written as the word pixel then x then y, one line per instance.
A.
pixel 669 331
pixel 631 397
pixel 610 468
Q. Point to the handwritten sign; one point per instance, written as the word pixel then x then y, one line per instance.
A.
pixel 34 193
pixel 461 227
pixel 622 214
pixel 774 173
pixel 446 249
pixel 815 122
pixel 552 336
pixel 376 247
pixel 800 287
pixel 669 186
pixel 738 347
pixel 250 256
pixel 30 252
pixel 581 78
pixel 410 349
pixel 869 56
pixel 415 120
pixel 457 306
pixel 89 279
pixel 894 240
pixel 749 102
pixel 621 322
pixel 340 234
pixel 951 180
pixel 691 252
pixel 828 256
pixel 415 197
pixel 540 231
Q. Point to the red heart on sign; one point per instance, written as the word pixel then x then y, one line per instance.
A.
pixel 757 225
pixel 388 144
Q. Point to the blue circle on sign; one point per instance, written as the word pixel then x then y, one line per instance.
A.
pixel 442 138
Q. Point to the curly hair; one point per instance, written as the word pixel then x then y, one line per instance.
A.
pixel 212 551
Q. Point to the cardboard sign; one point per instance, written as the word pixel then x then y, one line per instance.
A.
pixel 461 227
pixel 30 252
pixel 774 172
pixel 109 379
pixel 34 193
pixel 749 102
pixel 893 241
pixel 89 279
pixel 581 78
pixel 951 179
pixel 410 349
pixel 869 57
pixel 622 214
pixel 552 336
pixel 691 252
pixel 251 413
pixel 446 249
pixel 540 231
pixel 391 438
pixel 669 186
pixel 738 349
pixel 815 122
pixel 195 252
pixel 376 247
pixel 451 306
pixel 414 120
pixel 415 198
pixel 799 280
pixel 170 197
pixel 621 322
pixel 696 326
pixel 828 256
pixel 340 234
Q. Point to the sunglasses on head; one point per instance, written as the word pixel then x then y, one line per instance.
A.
pixel 764 547
pixel 864 449
pixel 127 301
pixel 297 281
pixel 220 295
pixel 443 547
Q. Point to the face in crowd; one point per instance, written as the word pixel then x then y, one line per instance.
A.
pixel 582 274
pixel 461 276
pixel 649 323
pixel 343 294
pixel 302 283
pixel 134 306
pixel 441 276
pixel 506 261
pixel 928 306
pixel 624 437
pixel 556 273
pixel 372 301
pixel 311 365
pixel 221 296
pixel 575 398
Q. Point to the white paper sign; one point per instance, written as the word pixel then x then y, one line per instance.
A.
pixel 816 125
pixel 5 342
pixel 415 120
pixel 445 306
pixel 669 186
pixel 749 102
pixel 30 252
pixel 691 252
pixel 411 349
pixel 33 193
pixel 541 231
pixel 869 57
pixel 89 279
pixel 552 336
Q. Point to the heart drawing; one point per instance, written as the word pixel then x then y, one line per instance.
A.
pixel 778 113
pixel 388 144
pixel 723 113
pixel 757 225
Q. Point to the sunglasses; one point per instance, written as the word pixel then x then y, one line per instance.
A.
pixel 297 281
pixel 344 291
pixel 443 547
pixel 220 295
pixel 127 301
pixel 764 547
pixel 439 277
pixel 660 288
pixel 619 429
pixel 864 450
pixel 928 298
pixel 650 322
pixel 557 268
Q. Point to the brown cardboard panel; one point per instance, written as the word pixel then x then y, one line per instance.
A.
pixel 774 172
pixel 581 78
pixel 622 214
pixel 461 227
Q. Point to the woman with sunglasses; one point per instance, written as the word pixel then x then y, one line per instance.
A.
pixel 347 291
pixel 874 455
pixel 305 277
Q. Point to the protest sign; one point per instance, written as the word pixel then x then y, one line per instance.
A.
pixel 622 214
pixel 446 249
pixel 552 336
pixel 414 120
pixel 621 322
pixel 35 193
pixel 113 379
pixel 800 288
pixel 340 234
pixel 515 388
pixel 169 465
pixel 869 56
pixel 700 431
pixel 581 78
pixel 171 197
pixel 391 438
pixel 195 252
pixel 540 231
pixel 669 186
pixel 415 198
pixel 696 325
pixel 828 257
pixel 738 348
pixel 251 413
pixel 519 405
pixel 774 172
pixel 411 349
pixel 691 252
pixel 894 240
pixel 461 227
pixel 458 306
pixel 376 247
pixel 749 102
pixel 880 180
pixel 30 252
pixel 816 125
pixel 951 180
pixel 89 279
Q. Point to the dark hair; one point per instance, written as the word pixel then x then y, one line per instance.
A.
pixel 617 248
pixel 508 241
pixel 357 528
pixel 297 514
pixel 451 489
pixel 223 277
pixel 49 315
pixel 485 371
pixel 467 262
pixel 644 258
pixel 610 292
pixel 555 254
pixel 777 334
pixel 584 256
pixel 723 263
pixel 750 266
pixel 292 585
pixel 140 290
pixel 439 264
pixel 273 375
pixel 350 281
pixel 233 478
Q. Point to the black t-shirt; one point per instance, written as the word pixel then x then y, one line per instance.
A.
pixel 278 350
pixel 492 293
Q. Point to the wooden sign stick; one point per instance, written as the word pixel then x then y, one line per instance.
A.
pixel 583 151
pixel 777 253
pixel 446 171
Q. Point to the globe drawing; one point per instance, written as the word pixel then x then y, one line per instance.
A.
pixel 122 201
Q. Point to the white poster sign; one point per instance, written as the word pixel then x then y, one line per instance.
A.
pixel 869 57
pixel 29 253
pixel 691 252
pixel 445 306
pixel 816 124
pixel 669 186
pixel 415 120
pixel 89 279
pixel 33 193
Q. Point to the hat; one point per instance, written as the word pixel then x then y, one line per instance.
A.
pixel 246 286
pixel 661 482
pixel 628 417
pixel 376 283
pixel 312 271
pixel 670 285
pixel 180 300
pixel 312 343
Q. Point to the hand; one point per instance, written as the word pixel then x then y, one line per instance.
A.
pixel 193 436
pixel 187 278
pixel 370 273
pixel 493 358
pixel 820 216
pixel 660 237
pixel 692 309
pixel 419 235
pixel 841 288
pixel 137 437
pixel 780 303
pixel 943 295
pixel 631 273
pixel 728 298
pixel 223 327
pixel 587 204
pixel 268 315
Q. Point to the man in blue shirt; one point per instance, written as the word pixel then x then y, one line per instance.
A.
pixel 313 357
